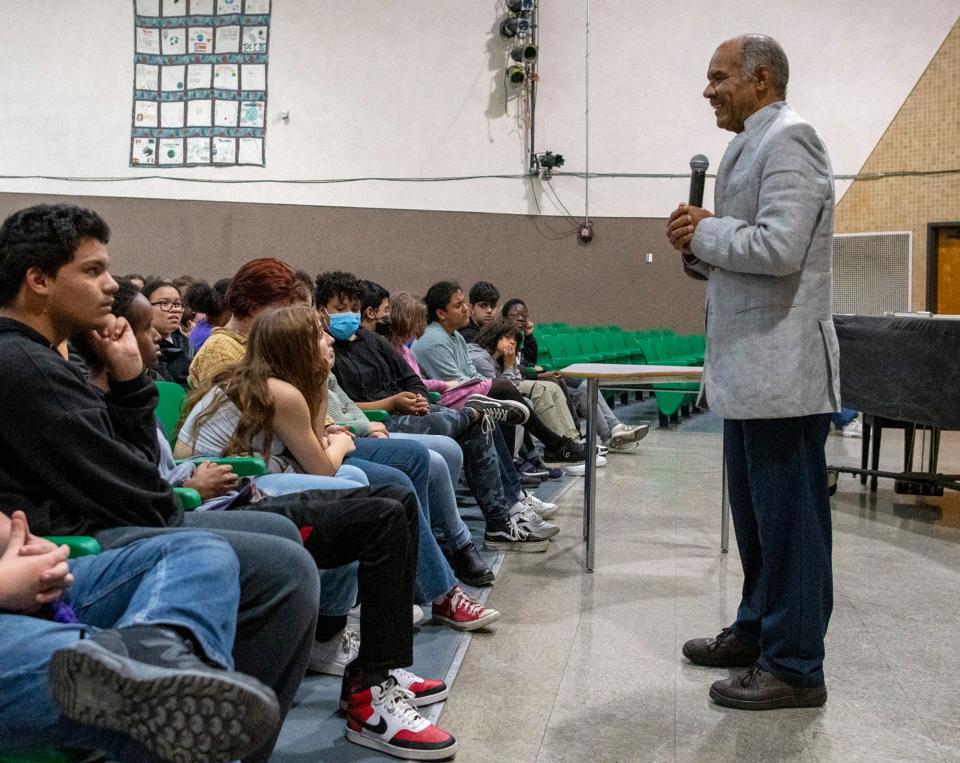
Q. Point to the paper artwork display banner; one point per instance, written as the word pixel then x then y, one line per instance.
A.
pixel 200 82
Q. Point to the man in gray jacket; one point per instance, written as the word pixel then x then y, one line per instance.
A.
pixel 771 371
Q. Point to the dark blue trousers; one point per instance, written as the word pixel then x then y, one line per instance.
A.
pixel 777 478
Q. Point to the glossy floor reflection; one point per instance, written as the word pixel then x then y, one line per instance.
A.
pixel 588 667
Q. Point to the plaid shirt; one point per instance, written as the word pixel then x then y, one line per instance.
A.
pixel 221 349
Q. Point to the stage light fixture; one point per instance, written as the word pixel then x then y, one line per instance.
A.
pixel 514 27
pixel 520 6
pixel 526 53
pixel 516 74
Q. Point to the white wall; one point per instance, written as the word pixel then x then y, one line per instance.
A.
pixel 413 88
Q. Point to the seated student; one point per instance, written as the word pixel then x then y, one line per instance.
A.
pixel 176 352
pixel 80 463
pixel 373 375
pixel 273 403
pixel 484 298
pixel 127 652
pixel 442 354
pixel 374 306
pixel 614 434
pixel 210 302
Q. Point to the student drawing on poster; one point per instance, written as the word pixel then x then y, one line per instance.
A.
pixel 251 151
pixel 148 7
pixel 148 41
pixel 174 7
pixel 145 114
pixel 251 114
pixel 225 76
pixel 173 42
pixel 147 77
pixel 198 150
pixel 258 7
pixel 228 39
pixel 253 77
pixel 200 40
pixel 255 39
pixel 170 151
pixel 228 6
pixel 198 76
pixel 224 150
pixel 201 7
pixel 144 151
pixel 171 77
pixel 199 113
pixel 225 113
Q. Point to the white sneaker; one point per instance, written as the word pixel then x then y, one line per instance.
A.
pixel 623 435
pixel 543 508
pixel 578 470
pixel 853 429
pixel 354 614
pixel 332 657
pixel 530 521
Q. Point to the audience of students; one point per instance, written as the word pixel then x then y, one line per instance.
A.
pixel 102 652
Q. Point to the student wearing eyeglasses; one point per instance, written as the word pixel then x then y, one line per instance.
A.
pixel 176 352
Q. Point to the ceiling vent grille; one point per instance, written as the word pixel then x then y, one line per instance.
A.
pixel 871 273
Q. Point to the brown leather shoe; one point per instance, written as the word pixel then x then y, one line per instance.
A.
pixel 759 690
pixel 724 651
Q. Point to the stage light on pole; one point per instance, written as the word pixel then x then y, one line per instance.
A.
pixel 514 26
pixel 526 53
pixel 516 75
pixel 520 6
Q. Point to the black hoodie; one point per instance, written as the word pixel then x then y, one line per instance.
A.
pixel 74 461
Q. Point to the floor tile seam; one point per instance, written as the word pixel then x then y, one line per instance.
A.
pixel 859 616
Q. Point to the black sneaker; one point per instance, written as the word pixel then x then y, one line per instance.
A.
pixel 512 537
pixel 530 469
pixel 146 682
pixel 470 567
pixel 553 473
pixel 499 411
pixel 571 453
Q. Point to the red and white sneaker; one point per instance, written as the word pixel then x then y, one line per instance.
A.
pixel 382 718
pixel 425 691
pixel 462 612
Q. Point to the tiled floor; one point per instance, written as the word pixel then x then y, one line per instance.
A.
pixel 588 667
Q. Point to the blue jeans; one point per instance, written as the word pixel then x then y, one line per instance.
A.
pixel 446 461
pixel 777 477
pixel 187 579
pixel 395 462
pixel 480 455
pixel 338 586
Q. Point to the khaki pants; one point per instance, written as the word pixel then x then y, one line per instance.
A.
pixel 550 405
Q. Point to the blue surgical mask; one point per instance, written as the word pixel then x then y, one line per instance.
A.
pixel 344 325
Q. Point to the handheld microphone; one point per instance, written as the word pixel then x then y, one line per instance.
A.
pixel 698 176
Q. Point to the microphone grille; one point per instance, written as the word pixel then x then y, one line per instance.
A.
pixel 699 163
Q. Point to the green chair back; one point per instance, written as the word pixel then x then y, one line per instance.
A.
pixel 169 406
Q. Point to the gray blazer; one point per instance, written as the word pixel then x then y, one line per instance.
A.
pixel 771 346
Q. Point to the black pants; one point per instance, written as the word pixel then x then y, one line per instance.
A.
pixel 777 477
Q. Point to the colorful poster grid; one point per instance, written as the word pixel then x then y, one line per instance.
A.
pixel 200 82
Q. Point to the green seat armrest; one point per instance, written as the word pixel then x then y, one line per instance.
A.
pixel 80 545
pixel 243 466
pixel 377 415
pixel 186 498
pixel 434 397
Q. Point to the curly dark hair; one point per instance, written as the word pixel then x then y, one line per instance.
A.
pixel 484 291
pixel 201 297
pixel 337 283
pixel 46 237
pixel 491 334
pixel 373 295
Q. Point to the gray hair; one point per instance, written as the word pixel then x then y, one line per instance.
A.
pixel 761 50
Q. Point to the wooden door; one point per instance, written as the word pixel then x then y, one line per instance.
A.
pixel 948 270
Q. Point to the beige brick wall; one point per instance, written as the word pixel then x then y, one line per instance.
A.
pixel 924 136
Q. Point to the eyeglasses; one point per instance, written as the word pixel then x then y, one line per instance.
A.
pixel 167 306
pixel 324 318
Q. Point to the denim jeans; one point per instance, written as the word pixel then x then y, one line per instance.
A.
pixel 446 462
pixel 606 420
pixel 407 464
pixel 190 581
pixel 777 477
pixel 480 460
pixel 338 586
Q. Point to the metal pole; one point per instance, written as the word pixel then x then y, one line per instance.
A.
pixel 586 130
pixel 590 475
